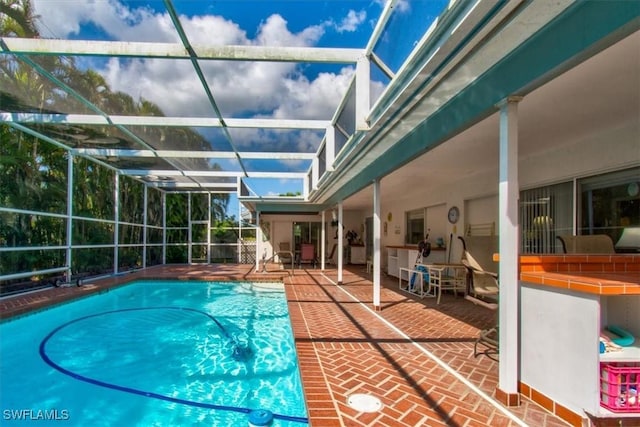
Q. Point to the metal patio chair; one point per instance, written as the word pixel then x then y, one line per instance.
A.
pixel 307 254
pixel 482 283
pixel 285 255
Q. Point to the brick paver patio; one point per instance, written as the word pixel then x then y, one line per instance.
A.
pixel 413 355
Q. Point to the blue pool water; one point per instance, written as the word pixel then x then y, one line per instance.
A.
pixel 155 354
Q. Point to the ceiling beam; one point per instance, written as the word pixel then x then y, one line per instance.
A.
pixel 95 119
pixel 211 173
pixel 191 187
pixel 25 46
pixel 187 154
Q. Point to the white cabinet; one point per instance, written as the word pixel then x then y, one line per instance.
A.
pixel 392 262
pixel 358 254
pixel 407 257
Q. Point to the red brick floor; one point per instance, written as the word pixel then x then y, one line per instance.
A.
pixel 414 355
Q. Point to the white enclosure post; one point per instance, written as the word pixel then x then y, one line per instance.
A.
pixel 144 226
pixel 363 102
pixel 189 233
pixel 340 247
pixel 323 246
pixel 69 215
pixel 258 239
pixel 376 244
pixel 209 228
pixel 509 308
pixel 164 228
pixel 116 225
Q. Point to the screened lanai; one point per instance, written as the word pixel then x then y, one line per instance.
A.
pixel 98 178
pixel 127 141
pixel 131 130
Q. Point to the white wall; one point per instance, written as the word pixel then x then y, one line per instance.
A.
pixel 613 149
pixel 354 220
pixel 437 203
pixel 282 228
pixel 560 350
pixel 436 220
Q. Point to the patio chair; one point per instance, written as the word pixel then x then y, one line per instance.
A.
pixel 285 255
pixel 587 244
pixel 307 254
pixel 482 283
pixel 445 277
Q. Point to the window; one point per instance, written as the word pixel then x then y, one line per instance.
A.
pixel 307 232
pixel 545 213
pixel 415 226
pixel 609 203
pixel 605 204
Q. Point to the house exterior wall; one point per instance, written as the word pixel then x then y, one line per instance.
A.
pixel 613 149
pixel 477 194
pixel 281 228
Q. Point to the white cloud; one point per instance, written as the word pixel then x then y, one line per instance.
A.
pixel 403 6
pixel 263 89
pixel 63 18
pixel 351 22
pixel 274 32
pixel 314 99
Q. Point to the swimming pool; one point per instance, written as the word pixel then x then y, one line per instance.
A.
pixel 155 354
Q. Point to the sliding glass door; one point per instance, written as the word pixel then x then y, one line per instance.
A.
pixel 307 232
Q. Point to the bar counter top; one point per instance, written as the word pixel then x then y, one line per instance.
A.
pixel 615 274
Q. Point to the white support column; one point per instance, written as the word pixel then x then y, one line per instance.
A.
pixel 116 218
pixel 340 244
pixel 330 147
pixel 144 226
pixel 376 244
pixel 209 228
pixel 509 307
pixel 323 238
pixel 363 103
pixel 315 173
pixel 69 216
pixel 258 240
pixel 305 186
pixel 239 245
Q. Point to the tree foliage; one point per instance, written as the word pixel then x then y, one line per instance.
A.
pixel 33 172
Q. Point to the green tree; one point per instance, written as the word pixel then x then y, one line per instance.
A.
pixel 33 173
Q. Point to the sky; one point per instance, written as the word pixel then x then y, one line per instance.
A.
pixel 241 89
pixel 276 90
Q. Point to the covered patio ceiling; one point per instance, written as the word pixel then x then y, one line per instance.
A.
pixel 553 116
pixel 381 123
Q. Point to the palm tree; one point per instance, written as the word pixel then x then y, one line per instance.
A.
pixel 33 174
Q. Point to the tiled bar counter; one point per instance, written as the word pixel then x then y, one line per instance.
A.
pixel 566 300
